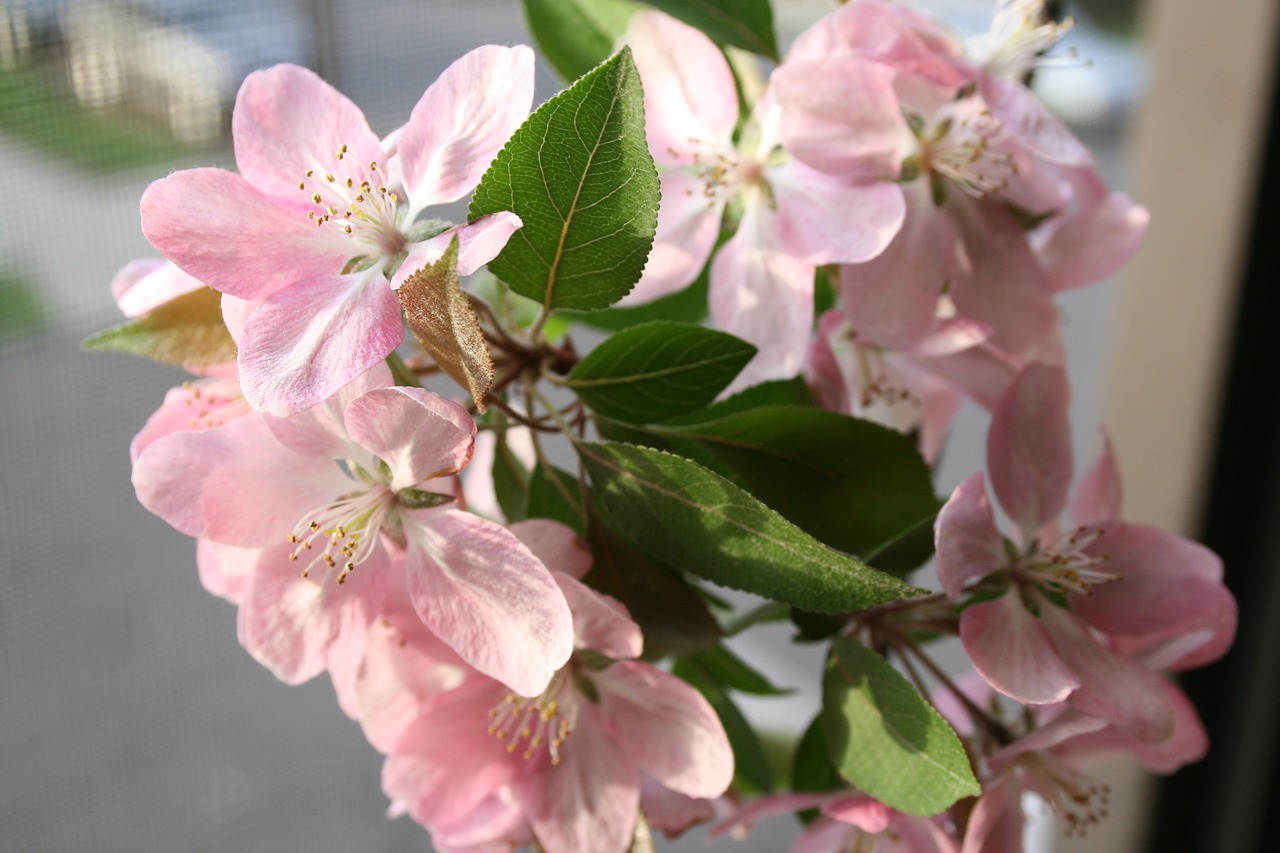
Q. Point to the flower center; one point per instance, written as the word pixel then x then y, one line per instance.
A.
pixel 1078 801
pixel 1064 567
pixel 212 401
pixel 962 150
pixel 543 722
pixel 342 533
pixel 354 199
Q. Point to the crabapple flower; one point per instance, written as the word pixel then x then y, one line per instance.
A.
pixel 479 765
pixel 327 507
pixel 1080 616
pixel 996 215
pixel 203 403
pixel 316 228
pixel 790 218
pixel 916 389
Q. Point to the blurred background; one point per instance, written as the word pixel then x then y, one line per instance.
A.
pixel 130 720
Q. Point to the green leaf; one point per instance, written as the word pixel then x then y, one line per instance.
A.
pixel 811 767
pixel 886 739
pixel 186 331
pixel 906 551
pixel 653 371
pixel 775 392
pixel 698 522
pixel 683 306
pixel 672 615
pixel 733 672
pixel 579 174
pixel 510 479
pixel 555 494
pixel 747 24
pixel 577 35
pixel 851 483
pixel 750 763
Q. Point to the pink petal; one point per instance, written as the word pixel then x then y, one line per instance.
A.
pixel 148 283
pixel 476 586
pixel 590 800
pixel 1188 743
pixel 1165 580
pixel 765 297
pixel 478 243
pixel 1094 241
pixel 841 116
pixel 826 220
pixel 688 225
pixel 1029 448
pixel 871 816
pixel 1112 687
pixel 224 569
pixel 689 91
pixel 1011 649
pixel 450 733
pixel 288 622
pixel 893 298
pixel 236 485
pixel 307 341
pixel 418 433
pixel 321 431
pixel 1098 496
pixel 235 313
pixel 600 622
pixel 1001 282
pixel 826 836
pixel 995 825
pixel 968 544
pixel 556 545
pixel 197 405
pixel 232 236
pixel 1031 122
pixel 666 728
pixel 462 121
pixel 403 666
pixel 287 120
pixel 672 812
pixel 772 805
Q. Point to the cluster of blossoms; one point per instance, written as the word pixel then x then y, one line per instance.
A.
pixel 504 678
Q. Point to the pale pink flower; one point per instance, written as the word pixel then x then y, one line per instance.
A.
pixel 790 218
pixel 206 402
pixel 484 768
pixel 317 228
pixel 915 390
pixel 1082 616
pixel 331 505
pixel 998 218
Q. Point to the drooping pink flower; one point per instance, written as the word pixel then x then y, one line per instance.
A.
pixel 1082 616
pixel 356 492
pixel 317 230
pixel 479 765
pixel 790 218
pixel 919 389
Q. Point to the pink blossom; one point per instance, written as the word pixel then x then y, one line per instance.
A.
pixel 918 389
pixel 1082 616
pixel 790 218
pixel 355 492
pixel 485 768
pixel 1003 206
pixel 318 229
